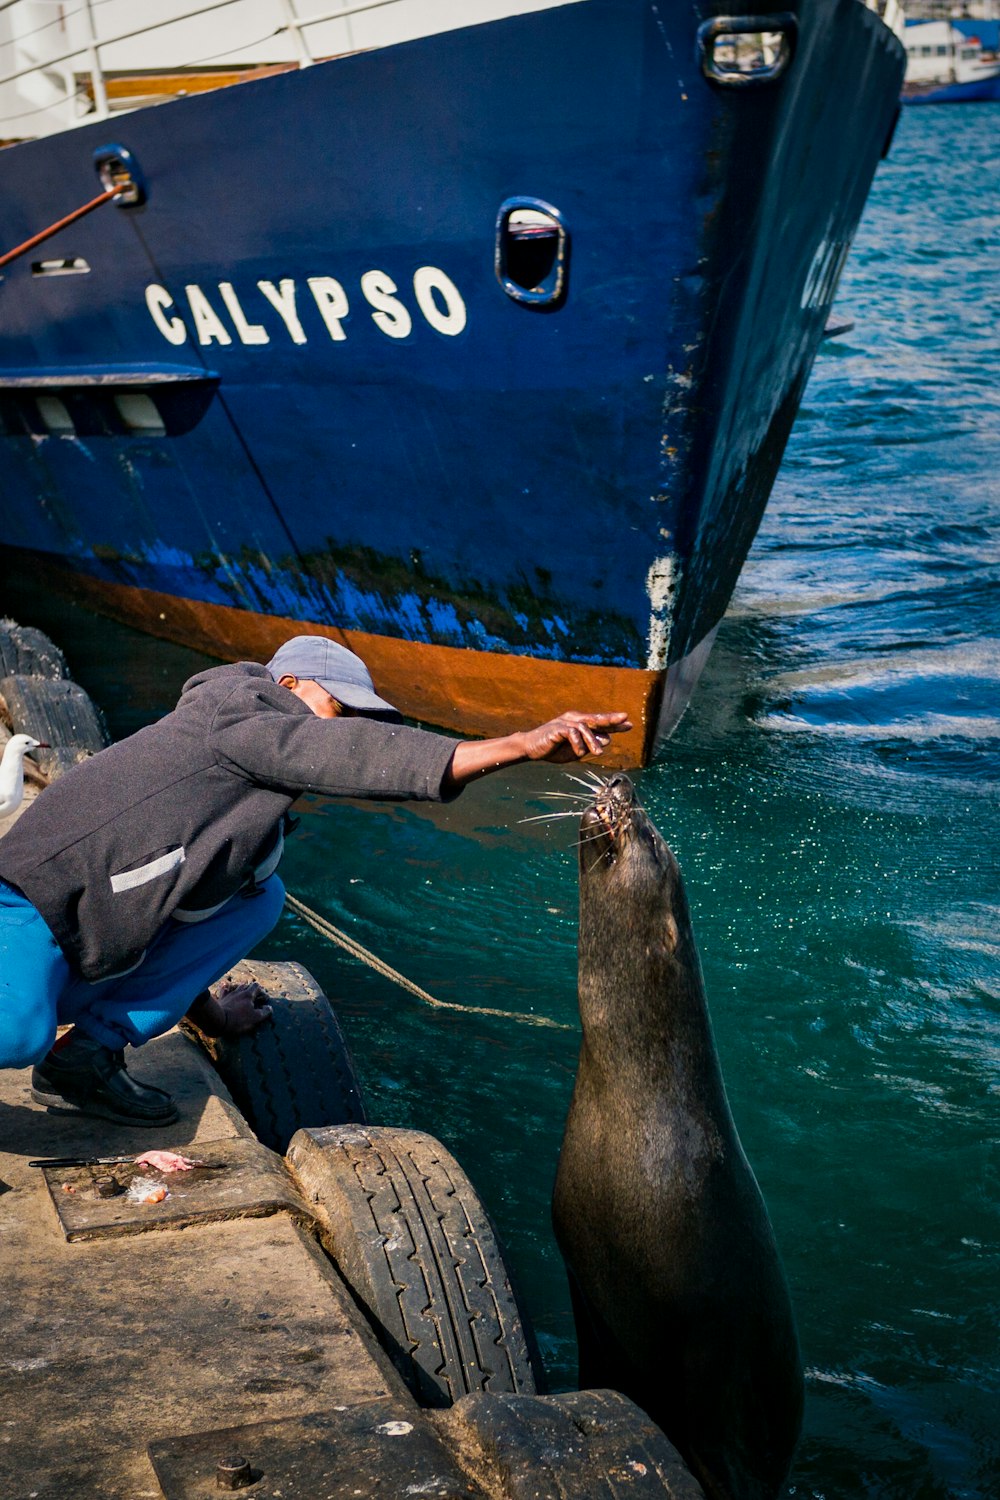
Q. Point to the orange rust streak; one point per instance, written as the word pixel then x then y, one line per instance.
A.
pixel 471 692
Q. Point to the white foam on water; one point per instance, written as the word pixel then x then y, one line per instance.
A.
pixel 976 660
pixel 968 931
pixel 920 728
pixel 752 598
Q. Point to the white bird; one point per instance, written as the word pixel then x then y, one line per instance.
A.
pixel 12 771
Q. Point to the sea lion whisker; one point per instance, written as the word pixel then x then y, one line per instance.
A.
pixel 548 817
pixel 595 778
pixel 588 838
pixel 589 785
pixel 590 868
pixel 568 796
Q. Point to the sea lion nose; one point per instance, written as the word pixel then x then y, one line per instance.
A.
pixel 621 790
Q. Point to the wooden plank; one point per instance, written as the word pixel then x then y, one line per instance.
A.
pixel 237 1179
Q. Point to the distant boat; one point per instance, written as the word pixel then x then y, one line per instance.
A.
pixel 475 346
pixel 948 63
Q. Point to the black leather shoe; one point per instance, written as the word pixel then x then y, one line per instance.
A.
pixel 85 1078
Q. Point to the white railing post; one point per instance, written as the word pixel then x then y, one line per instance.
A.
pixel 893 17
pixel 96 75
pixel 298 34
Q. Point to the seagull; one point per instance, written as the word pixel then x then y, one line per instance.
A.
pixel 12 771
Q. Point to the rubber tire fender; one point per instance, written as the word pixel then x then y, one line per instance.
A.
pixel 414 1243
pixel 27 652
pixel 583 1445
pixel 58 712
pixel 296 1069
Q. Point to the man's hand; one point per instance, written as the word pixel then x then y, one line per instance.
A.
pixel 244 1007
pixel 234 1010
pixel 570 737
pixel 573 735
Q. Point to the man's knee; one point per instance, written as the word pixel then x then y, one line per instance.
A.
pixel 25 1038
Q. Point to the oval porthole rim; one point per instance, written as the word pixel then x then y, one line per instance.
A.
pixel 785 23
pixel 553 297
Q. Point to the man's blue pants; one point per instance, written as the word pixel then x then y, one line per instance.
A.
pixel 38 990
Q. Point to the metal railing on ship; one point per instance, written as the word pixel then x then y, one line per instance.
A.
pixel 88 49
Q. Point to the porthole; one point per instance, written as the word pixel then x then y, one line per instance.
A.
pixel 746 51
pixel 532 252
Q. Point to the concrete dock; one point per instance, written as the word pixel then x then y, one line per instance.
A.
pixel 146 1346
pixel 129 1338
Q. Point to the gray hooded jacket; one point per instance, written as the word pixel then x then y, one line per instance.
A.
pixel 180 815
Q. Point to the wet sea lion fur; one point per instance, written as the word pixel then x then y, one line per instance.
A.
pixel 678 1291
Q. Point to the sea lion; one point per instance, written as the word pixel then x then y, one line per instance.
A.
pixel 678 1291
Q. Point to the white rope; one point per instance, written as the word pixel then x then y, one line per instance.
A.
pixel 363 955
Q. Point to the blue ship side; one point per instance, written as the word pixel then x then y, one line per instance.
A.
pixel 359 429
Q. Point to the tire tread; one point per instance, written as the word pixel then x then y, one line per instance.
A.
pixel 418 1248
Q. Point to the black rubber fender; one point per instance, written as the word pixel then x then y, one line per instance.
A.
pixel 27 652
pixel 584 1445
pixel 412 1239
pixel 57 712
pixel 296 1069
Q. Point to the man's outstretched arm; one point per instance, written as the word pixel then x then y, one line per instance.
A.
pixel 569 737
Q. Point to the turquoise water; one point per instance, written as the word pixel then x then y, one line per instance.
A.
pixel 833 798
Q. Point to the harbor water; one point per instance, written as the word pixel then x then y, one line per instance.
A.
pixel 833 796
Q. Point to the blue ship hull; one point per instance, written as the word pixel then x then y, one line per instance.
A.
pixel 975 91
pixel 501 504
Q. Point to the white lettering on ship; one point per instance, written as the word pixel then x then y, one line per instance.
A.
pixel 390 315
pixel 158 299
pixel 250 333
pixel 448 319
pixel 437 298
pixel 282 299
pixel 207 325
pixel 331 299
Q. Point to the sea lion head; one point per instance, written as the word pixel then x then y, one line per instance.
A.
pixel 633 910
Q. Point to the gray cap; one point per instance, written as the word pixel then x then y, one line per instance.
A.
pixel 336 669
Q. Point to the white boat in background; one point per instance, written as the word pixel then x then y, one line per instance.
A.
pixel 947 65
